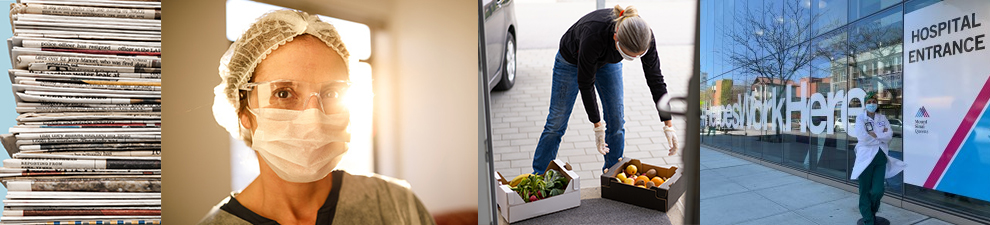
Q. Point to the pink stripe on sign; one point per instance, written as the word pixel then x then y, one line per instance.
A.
pixel 957 138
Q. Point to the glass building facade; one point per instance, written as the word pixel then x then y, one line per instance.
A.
pixel 805 64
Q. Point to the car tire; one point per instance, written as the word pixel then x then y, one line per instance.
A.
pixel 508 65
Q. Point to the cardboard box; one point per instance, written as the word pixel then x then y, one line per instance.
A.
pixel 512 207
pixel 657 198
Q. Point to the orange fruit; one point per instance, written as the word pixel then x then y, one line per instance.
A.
pixel 643 178
pixel 631 169
pixel 657 180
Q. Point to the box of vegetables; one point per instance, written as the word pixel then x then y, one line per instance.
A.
pixel 528 195
pixel 643 185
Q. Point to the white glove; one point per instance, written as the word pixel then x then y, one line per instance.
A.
pixel 671 139
pixel 600 139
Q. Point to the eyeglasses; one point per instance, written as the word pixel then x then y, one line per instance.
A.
pixel 295 95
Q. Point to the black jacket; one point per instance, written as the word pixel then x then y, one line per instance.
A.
pixel 589 45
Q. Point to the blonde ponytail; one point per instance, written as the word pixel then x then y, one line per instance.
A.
pixel 621 14
pixel 631 30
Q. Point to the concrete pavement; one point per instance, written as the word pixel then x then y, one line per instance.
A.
pixel 737 191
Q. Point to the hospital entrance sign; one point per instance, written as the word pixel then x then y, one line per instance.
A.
pixel 946 90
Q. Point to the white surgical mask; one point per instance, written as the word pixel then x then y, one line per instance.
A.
pixel 624 56
pixel 871 107
pixel 301 146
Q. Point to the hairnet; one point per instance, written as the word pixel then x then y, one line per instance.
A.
pixel 237 65
pixel 870 95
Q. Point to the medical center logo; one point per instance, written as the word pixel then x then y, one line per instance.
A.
pixel 921 121
pixel 922 113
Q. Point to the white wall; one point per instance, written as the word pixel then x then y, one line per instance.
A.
pixel 195 155
pixel 435 91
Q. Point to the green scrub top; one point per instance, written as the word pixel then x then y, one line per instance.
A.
pixel 354 199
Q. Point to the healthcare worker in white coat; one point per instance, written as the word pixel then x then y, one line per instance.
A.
pixel 873 162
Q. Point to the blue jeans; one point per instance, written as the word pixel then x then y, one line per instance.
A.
pixel 563 93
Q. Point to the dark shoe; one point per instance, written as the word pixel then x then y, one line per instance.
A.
pixel 881 221
pixel 876 220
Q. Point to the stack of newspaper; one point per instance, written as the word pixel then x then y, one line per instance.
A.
pixel 87 81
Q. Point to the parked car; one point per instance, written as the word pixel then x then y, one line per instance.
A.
pixel 841 127
pixel 500 43
pixel 897 126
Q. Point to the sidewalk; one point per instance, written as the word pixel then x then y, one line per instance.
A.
pixel 738 191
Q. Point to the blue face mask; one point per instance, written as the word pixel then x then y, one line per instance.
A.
pixel 871 108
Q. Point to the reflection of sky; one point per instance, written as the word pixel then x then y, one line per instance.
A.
pixel 720 19
pixel 831 37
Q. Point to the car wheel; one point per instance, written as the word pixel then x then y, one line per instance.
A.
pixel 508 65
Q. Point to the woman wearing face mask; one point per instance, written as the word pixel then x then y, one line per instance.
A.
pixel 588 59
pixel 873 163
pixel 282 91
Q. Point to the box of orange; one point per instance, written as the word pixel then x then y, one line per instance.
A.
pixel 660 197
pixel 513 208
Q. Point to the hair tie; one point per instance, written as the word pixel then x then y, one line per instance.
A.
pixel 621 12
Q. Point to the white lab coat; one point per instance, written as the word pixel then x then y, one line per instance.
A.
pixel 867 146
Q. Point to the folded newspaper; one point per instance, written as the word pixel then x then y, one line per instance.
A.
pixel 87 84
